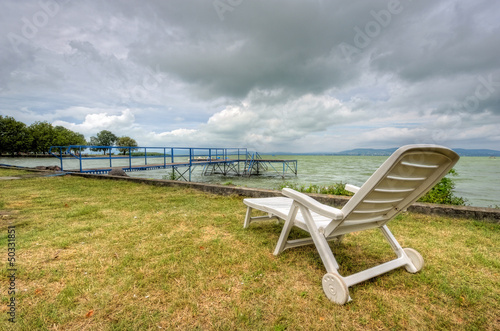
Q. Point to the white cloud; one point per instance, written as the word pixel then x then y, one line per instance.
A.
pixel 178 133
pixel 396 135
pixel 96 122
pixel 233 120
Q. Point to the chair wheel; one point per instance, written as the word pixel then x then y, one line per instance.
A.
pixel 335 288
pixel 416 259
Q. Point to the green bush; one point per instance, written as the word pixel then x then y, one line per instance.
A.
pixel 442 192
pixel 334 189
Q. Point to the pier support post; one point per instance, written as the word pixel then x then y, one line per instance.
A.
pixel 190 162
pixel 130 158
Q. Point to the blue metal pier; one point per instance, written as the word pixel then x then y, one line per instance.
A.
pixel 180 160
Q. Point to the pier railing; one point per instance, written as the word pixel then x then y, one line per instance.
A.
pixel 181 160
pixel 169 155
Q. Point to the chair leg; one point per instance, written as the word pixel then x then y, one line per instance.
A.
pixel 396 247
pixel 287 227
pixel 339 239
pixel 321 243
pixel 414 260
pixel 247 218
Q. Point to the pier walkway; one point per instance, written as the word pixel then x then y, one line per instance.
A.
pixel 181 162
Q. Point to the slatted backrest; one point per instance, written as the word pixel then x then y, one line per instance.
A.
pixel 403 178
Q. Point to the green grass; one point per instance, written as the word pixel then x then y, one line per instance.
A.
pixel 113 255
pixel 7 172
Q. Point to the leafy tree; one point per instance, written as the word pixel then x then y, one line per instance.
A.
pixel 14 136
pixel 126 142
pixel 77 139
pixel 103 138
pixel 66 137
pixel 43 136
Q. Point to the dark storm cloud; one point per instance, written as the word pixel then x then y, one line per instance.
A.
pixel 268 73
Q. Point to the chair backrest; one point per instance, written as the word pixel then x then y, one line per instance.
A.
pixel 404 177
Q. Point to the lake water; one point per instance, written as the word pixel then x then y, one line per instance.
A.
pixel 478 178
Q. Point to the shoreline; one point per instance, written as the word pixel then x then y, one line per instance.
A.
pixel 491 215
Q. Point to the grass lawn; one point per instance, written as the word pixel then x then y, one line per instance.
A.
pixel 7 172
pixel 114 255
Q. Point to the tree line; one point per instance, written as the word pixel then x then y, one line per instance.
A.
pixel 17 138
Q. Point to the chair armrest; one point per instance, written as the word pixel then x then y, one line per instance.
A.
pixel 352 188
pixel 313 205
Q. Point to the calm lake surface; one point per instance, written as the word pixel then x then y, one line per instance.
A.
pixel 478 178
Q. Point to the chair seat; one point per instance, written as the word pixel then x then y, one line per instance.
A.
pixel 280 207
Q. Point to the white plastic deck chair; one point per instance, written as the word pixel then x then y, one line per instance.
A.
pixel 404 177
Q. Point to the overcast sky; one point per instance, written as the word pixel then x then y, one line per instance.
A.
pixel 282 75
